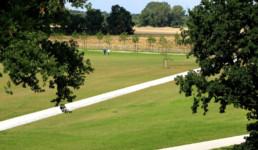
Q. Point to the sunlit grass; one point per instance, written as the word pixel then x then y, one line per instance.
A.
pixel 153 118
pixel 157 117
pixel 112 72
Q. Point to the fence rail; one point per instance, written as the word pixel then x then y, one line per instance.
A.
pixel 139 49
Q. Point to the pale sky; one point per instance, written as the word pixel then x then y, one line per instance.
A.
pixel 135 6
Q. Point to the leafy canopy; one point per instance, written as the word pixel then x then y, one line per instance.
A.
pixel 120 20
pixel 99 35
pixel 94 21
pixel 135 39
pixel 160 14
pixel 224 37
pixel 177 16
pixel 27 54
pixel 123 37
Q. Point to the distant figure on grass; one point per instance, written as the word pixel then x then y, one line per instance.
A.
pixel 104 51
pixel 108 51
pixel 64 109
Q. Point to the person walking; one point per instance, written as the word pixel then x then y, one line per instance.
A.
pixel 104 51
pixel 108 51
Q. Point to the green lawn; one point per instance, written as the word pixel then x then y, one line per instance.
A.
pixel 153 118
pixel 112 72
pixel 157 117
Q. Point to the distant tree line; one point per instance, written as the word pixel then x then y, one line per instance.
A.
pixel 119 20
pixel 160 14
pixel 94 21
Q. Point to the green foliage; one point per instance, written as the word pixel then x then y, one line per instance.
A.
pixel 84 36
pixel 135 19
pixel 27 54
pixel 74 23
pixel 163 42
pixel 120 20
pixel 78 3
pixel 224 35
pixel 177 16
pixel 123 37
pixel 108 39
pixel 251 141
pixel 135 40
pixel 76 35
pixel 99 35
pixel 177 38
pixel 151 39
pixel 155 14
pixel 160 14
pixel 94 21
pixel 77 12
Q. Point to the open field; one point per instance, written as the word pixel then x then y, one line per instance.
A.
pixel 156 30
pixel 112 72
pixel 143 45
pixel 153 118
pixel 157 117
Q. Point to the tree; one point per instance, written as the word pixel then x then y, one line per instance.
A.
pixel 135 40
pixel 60 36
pixel 94 21
pixel 99 36
pixel 120 20
pixel 177 16
pixel 123 37
pixel 75 23
pixel 135 19
pixel 27 54
pixel 224 38
pixel 163 42
pixel 54 35
pixel 155 14
pixel 84 37
pixel 151 40
pixel 177 39
pixel 108 40
pixel 75 36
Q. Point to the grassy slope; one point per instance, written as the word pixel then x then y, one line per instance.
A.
pixel 112 72
pixel 153 118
